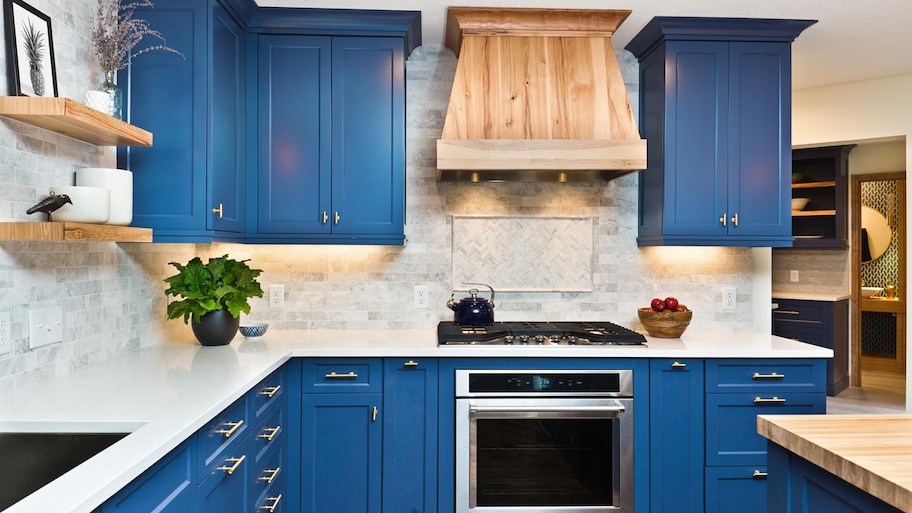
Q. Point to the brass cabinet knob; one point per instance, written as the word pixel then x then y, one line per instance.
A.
pixel 220 210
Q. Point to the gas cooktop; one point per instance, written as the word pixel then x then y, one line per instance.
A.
pixel 579 333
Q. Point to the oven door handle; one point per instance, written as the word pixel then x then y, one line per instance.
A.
pixel 600 411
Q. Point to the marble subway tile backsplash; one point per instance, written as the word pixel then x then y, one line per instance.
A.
pixel 113 294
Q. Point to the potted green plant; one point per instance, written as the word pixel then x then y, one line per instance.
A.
pixel 214 295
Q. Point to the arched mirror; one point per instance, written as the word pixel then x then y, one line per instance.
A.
pixel 876 234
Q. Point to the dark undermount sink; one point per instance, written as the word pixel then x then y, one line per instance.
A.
pixel 32 460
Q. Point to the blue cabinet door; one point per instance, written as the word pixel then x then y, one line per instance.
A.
pixel 341 453
pixel 227 135
pixel 294 94
pixel 169 486
pixel 410 435
pixel 368 136
pixel 694 176
pixel 194 106
pixel 676 435
pixel 760 140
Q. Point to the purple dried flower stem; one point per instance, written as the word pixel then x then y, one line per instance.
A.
pixel 117 33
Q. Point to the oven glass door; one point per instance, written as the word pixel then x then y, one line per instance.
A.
pixel 543 454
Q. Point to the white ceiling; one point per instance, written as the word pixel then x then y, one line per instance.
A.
pixel 853 39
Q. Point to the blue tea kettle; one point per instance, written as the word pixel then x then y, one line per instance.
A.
pixel 474 310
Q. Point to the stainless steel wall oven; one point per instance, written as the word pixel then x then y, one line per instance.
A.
pixel 544 441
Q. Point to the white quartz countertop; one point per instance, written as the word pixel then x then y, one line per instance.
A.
pixel 164 393
pixel 810 296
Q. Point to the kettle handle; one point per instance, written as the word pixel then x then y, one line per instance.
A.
pixel 484 285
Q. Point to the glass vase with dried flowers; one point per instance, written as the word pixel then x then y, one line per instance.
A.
pixel 116 36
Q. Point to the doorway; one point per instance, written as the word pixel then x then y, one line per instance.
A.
pixel 878 254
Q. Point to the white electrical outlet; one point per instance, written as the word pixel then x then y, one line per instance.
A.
pixel 793 275
pixel 277 296
pixel 421 296
pixel 45 326
pixel 729 298
pixel 6 342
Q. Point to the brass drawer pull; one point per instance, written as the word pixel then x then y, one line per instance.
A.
pixel 722 219
pixel 336 218
pixel 774 399
pixel 275 503
pixel 220 210
pixel 325 217
pixel 678 365
pixel 269 433
pixel 759 475
pixel 270 391
pixel 349 375
pixel 374 412
pixel 272 473
pixel 232 428
pixel 410 363
pixel 735 220
pixel 787 312
pixel 772 375
pixel 236 462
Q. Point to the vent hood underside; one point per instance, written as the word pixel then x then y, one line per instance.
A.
pixel 538 96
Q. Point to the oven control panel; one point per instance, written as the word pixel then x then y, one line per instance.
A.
pixel 486 382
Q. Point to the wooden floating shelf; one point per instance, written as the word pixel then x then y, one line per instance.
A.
pixel 66 231
pixel 73 119
pixel 812 213
pixel 813 185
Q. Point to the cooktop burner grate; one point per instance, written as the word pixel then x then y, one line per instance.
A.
pixel 538 333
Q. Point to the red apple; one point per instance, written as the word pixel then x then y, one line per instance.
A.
pixel 671 303
pixel 658 305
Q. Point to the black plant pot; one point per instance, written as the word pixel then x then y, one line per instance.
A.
pixel 215 328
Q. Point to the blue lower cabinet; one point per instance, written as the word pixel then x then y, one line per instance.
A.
pixel 676 435
pixel 341 437
pixel 410 435
pixel 798 486
pixel 168 487
pixel 741 489
pixel 224 488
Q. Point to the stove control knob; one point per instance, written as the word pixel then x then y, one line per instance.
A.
pixel 555 339
pixel 571 340
pixel 508 340
pixel 539 339
pixel 524 339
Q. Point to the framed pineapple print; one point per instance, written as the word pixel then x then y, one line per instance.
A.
pixel 29 50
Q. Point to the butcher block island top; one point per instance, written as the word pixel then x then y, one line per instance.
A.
pixel 871 452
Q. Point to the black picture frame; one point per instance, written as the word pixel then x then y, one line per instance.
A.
pixel 19 17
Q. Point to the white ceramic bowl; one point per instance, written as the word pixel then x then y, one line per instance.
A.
pixel 90 204
pixel 870 291
pixel 119 182
pixel 799 203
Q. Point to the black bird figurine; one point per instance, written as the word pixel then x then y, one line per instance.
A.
pixel 50 204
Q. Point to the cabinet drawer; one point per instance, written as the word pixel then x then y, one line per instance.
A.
pixel 802 310
pixel 343 376
pixel 221 435
pixel 736 489
pixel 268 392
pixel 724 376
pixel 267 434
pixel 268 480
pixel 731 423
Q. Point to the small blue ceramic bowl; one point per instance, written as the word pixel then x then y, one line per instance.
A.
pixel 253 330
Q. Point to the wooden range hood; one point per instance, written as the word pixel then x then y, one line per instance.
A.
pixel 538 96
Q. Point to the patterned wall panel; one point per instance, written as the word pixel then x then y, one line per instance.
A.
pixel 882 196
pixel 528 254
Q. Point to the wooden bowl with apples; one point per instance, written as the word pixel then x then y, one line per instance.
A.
pixel 665 318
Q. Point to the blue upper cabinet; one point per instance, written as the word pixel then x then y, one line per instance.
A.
pixel 715 108
pixel 281 125
pixel 331 139
pixel 188 187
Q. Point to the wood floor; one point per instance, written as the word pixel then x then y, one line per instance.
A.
pixel 880 392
